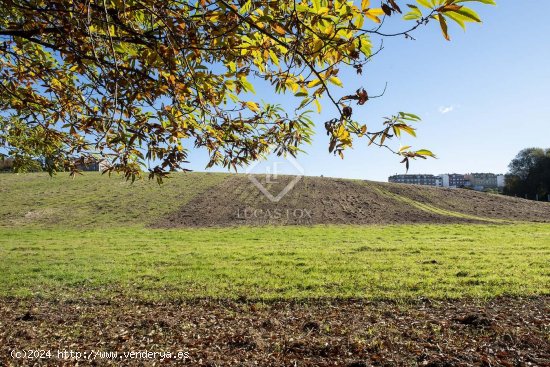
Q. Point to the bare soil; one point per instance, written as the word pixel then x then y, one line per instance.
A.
pixel 314 200
pixel 500 332
pixel 476 203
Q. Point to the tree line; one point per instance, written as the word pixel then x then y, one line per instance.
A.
pixel 529 174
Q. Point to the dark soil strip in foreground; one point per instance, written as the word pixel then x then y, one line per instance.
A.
pixel 499 332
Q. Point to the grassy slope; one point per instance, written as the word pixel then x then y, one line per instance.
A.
pixel 92 200
pixel 66 237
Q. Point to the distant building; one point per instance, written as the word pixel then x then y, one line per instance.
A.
pixel 89 166
pixel 93 165
pixel 482 181
pixel 453 180
pixel 423 179
pixel 500 181
pixel 476 181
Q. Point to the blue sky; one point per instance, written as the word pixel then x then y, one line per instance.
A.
pixel 482 97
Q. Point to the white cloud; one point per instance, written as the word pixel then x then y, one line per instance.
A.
pixel 446 109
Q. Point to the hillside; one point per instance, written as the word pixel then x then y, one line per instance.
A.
pixel 212 199
pixel 89 264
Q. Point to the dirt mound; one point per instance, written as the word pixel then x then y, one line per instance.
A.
pixel 475 203
pixel 289 200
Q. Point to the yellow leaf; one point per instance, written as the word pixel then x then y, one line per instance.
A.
pixel 313 83
pixel 365 4
pixel 335 80
pixel 318 105
pixel 293 85
pixel 317 45
pixel 329 30
pixel 425 152
pixel 274 57
pixel 396 131
pixel 372 17
pixel 253 106
pixel 280 30
pixel 376 11
pixel 409 130
pixel 322 11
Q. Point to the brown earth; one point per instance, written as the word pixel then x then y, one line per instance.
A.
pixel 500 332
pixel 314 200
pixel 476 203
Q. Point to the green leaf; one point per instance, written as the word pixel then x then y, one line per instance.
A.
pixel 304 102
pixel 457 19
pixel 316 5
pixel 488 2
pixel 247 85
pixel 425 152
pixel 424 3
pixel 246 7
pixel 274 57
pixel 468 13
pixel 414 14
pixel 409 116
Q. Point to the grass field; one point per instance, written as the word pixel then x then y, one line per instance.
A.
pixel 383 275
pixel 93 200
pixel 395 262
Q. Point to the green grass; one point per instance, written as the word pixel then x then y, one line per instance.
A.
pixel 396 262
pixel 92 200
pixel 88 237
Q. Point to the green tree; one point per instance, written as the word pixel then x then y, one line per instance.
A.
pixel 529 174
pixel 133 81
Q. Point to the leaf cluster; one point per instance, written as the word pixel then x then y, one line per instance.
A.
pixel 138 83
